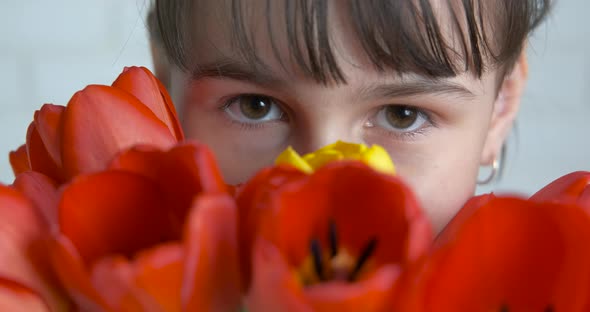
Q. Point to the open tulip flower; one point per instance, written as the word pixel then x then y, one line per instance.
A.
pixel 508 254
pixel 154 232
pixel 336 240
pixel 97 123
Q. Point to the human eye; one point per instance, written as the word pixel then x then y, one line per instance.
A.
pixel 253 109
pixel 401 121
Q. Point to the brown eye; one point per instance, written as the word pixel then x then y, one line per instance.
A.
pixel 253 109
pixel 401 118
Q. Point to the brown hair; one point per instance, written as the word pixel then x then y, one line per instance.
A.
pixel 397 35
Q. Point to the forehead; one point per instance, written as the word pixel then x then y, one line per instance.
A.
pixel 266 35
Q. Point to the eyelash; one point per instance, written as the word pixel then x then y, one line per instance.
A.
pixel 404 136
pixel 249 126
pixel 229 100
pixel 411 135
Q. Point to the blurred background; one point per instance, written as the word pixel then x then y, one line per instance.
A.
pixel 51 49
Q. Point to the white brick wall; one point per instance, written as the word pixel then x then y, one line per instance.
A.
pixel 50 49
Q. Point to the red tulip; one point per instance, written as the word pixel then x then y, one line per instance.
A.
pixel 98 123
pixel 25 276
pixel 336 240
pixel 573 188
pixel 155 232
pixel 508 254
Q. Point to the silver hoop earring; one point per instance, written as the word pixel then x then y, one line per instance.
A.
pixel 492 176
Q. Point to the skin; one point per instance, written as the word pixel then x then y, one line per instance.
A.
pixel 460 127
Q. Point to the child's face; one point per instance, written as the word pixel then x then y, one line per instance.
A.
pixel 438 132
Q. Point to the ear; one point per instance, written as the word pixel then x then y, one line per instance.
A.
pixel 161 63
pixel 505 110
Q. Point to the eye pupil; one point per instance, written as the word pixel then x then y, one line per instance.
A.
pixel 401 117
pixel 255 107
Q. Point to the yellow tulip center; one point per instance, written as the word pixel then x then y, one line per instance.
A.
pixel 334 263
pixel 375 156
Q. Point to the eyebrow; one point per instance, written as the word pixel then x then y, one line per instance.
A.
pixel 415 88
pixel 261 75
pixel 230 69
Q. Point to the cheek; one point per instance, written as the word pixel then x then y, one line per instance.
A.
pixel 442 199
pixel 443 171
pixel 444 184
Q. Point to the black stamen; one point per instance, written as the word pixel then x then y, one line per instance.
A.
pixel 549 308
pixel 504 308
pixel 333 238
pixel 365 254
pixel 316 252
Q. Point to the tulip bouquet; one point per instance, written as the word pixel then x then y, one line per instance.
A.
pixel 113 210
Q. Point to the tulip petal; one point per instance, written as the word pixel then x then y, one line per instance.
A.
pixel 48 123
pixel 42 191
pixel 368 295
pixel 15 297
pixel 182 172
pixel 114 212
pixel 572 188
pixel 198 161
pixel 515 254
pixel 470 207
pixel 101 121
pixel 39 157
pixel 252 199
pixel 274 287
pixel 159 275
pixel 290 157
pixel 186 163
pixel 22 248
pixel 74 276
pixel 378 158
pixel 19 160
pixel 211 266
pixel 113 277
pixel 142 84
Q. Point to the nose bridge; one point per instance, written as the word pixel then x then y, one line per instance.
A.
pixel 324 127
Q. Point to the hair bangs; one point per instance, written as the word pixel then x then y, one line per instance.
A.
pixel 426 37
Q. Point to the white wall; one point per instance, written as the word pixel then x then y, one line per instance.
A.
pixel 50 49
pixel 552 135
